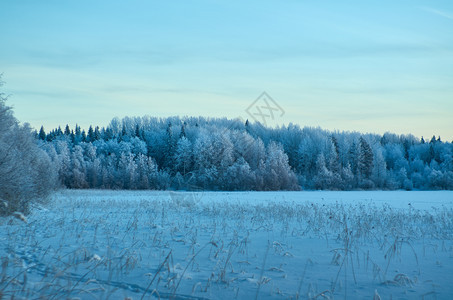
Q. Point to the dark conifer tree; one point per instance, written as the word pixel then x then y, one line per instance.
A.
pixel 78 131
pixel 84 136
pixel 169 147
pixel 137 131
pixel 67 130
pixel 108 134
pixel 59 131
pixel 365 161
pixel 97 133
pixel 353 154
pixel 91 138
pixel 183 130
pixel 335 144
pixel 77 135
pixel 42 134
pixel 73 137
pixel 406 146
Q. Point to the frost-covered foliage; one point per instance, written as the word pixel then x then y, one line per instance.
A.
pixel 222 154
pixel 222 245
pixel 26 173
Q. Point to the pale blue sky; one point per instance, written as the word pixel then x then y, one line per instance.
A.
pixel 348 65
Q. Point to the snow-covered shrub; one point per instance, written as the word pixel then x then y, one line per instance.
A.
pixel 26 172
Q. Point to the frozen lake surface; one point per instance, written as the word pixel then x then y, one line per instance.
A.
pixel 95 244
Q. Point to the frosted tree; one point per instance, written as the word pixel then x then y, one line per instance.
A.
pixel 333 164
pixel 93 165
pixel 143 172
pixel 230 154
pixel 110 174
pixel 64 162
pixel 277 173
pixel 324 177
pixel 307 154
pixel 183 156
pixel 26 172
pixel 78 167
pixel 247 147
pixel 127 171
pixel 213 154
pixel 239 176
pixel 379 172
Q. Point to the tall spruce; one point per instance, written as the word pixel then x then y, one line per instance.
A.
pixel 365 159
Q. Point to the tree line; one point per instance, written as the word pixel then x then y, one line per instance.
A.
pixel 224 154
pixel 192 153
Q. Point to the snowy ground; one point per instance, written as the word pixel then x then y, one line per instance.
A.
pixel 245 245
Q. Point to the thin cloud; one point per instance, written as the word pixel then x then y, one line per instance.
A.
pixel 439 12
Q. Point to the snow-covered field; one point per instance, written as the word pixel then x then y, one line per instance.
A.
pixel 224 245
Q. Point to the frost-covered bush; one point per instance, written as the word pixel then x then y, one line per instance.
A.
pixel 26 172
